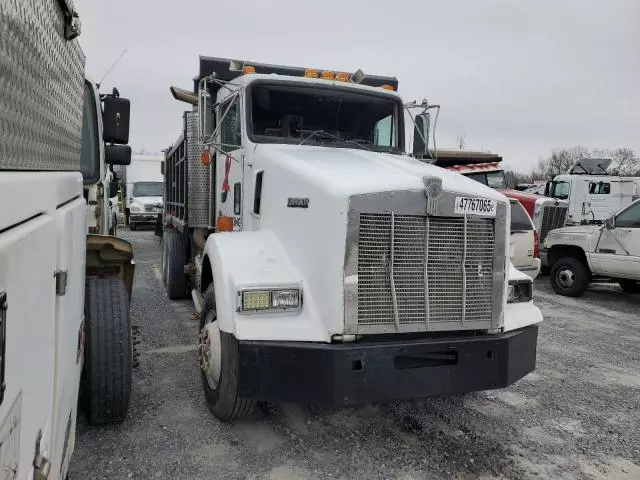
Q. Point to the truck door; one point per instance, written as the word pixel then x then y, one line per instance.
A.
pixel 71 230
pixel 229 160
pixel 619 249
pixel 27 292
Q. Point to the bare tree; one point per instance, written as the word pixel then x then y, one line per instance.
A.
pixel 461 142
pixel 561 160
pixel 624 162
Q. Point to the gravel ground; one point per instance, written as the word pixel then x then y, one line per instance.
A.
pixel 576 417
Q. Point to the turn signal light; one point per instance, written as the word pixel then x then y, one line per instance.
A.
pixel 249 69
pixel 388 87
pixel 205 158
pixel 342 77
pixel 327 75
pixel 311 73
pixel 224 224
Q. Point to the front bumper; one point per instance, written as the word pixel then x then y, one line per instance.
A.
pixel 347 374
pixel 144 217
pixel 533 270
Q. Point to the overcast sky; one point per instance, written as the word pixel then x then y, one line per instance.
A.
pixel 517 78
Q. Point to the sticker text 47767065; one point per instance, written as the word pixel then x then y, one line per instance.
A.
pixel 476 206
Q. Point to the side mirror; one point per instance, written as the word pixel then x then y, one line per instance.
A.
pixel 421 134
pixel 115 119
pixel 547 189
pixel 113 189
pixel 162 167
pixel 610 223
pixel 117 154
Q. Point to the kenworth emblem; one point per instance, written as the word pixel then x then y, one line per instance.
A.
pixel 433 190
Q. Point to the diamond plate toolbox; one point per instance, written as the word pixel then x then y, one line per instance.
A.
pixel 41 87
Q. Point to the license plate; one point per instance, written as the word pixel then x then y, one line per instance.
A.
pixel 476 206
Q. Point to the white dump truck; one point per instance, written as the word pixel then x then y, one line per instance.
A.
pixel 329 267
pixel 64 292
pixel 144 189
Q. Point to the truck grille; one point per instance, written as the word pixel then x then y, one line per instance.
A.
pixel 450 279
pixel 552 217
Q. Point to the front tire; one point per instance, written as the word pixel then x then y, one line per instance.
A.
pixel 569 277
pixel 629 286
pixel 219 361
pixel 108 357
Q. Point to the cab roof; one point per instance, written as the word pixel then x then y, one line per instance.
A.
pixel 221 68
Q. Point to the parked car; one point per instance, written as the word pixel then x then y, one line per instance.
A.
pixel 578 254
pixel 524 241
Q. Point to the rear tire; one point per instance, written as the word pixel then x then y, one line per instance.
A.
pixel 108 357
pixel 222 399
pixel 569 277
pixel 629 286
pixel 176 259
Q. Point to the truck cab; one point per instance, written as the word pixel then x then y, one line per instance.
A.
pixel 591 193
pixel 143 190
pixel 313 245
pixel 578 254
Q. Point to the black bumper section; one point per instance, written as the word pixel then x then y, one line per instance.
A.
pixel 348 374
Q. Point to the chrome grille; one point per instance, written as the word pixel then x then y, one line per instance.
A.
pixel 457 259
pixel 552 217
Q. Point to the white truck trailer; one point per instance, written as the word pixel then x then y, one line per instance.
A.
pixel 64 294
pixel 329 267
pixel 144 189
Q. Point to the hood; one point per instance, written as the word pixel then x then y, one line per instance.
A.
pixel 576 229
pixel 346 171
pixel 147 200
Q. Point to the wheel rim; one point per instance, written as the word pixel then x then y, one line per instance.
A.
pixel 210 353
pixel 566 277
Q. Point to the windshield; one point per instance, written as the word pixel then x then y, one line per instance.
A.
pixel 90 153
pixel 519 218
pixel 491 179
pixel 147 189
pixel 560 190
pixel 316 115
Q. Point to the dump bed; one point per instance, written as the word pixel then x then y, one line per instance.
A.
pixel 42 75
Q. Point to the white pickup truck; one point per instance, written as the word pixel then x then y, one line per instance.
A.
pixel 578 254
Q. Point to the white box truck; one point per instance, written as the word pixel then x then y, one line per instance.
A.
pixel 144 190
pixel 64 285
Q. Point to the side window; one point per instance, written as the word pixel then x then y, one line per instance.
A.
pixel 383 134
pixel 229 125
pixel 629 218
pixel 600 188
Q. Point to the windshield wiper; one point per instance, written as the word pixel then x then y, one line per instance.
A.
pixel 331 136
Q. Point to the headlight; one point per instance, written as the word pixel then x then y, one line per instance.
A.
pixel 135 208
pixel 519 291
pixel 274 300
